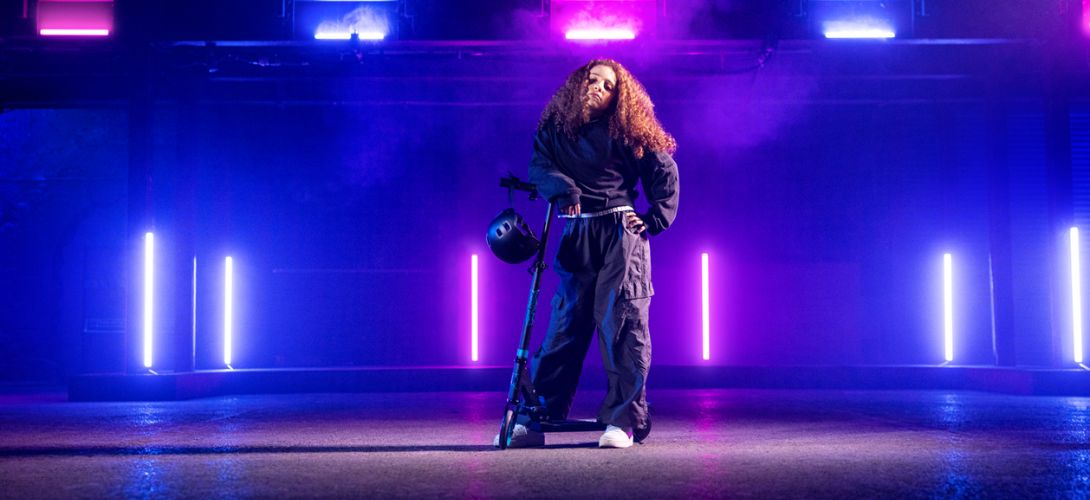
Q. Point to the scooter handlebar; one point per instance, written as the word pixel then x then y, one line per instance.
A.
pixel 515 183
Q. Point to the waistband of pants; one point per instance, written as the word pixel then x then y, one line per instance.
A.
pixel 590 215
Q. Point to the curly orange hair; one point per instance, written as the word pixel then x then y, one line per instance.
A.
pixel 631 116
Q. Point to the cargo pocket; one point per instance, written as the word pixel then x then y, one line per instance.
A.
pixel 637 277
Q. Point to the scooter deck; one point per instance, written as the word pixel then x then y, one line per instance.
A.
pixel 568 426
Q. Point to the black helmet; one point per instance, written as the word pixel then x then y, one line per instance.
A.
pixel 510 238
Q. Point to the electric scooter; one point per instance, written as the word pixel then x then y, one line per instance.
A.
pixel 522 400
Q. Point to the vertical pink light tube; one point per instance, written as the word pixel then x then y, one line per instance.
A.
pixel 705 309
pixel 474 323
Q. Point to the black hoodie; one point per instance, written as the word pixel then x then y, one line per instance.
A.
pixel 600 172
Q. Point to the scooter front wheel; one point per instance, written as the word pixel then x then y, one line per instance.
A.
pixel 507 426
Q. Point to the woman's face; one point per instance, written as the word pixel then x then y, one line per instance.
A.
pixel 601 88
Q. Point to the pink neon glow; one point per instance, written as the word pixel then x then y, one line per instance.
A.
pixel 73 32
pixel 600 34
pixel 602 20
pixel 1086 16
pixel 705 309
pixel 473 306
pixel 75 17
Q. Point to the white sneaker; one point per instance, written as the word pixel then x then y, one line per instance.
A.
pixel 522 437
pixel 615 437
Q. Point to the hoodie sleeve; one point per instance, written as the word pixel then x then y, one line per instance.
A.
pixel 658 174
pixel 551 183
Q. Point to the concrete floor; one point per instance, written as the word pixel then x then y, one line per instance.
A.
pixel 706 443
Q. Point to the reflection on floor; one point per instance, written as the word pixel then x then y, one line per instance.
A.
pixel 705 443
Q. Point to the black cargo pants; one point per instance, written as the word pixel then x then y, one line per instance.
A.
pixel 605 282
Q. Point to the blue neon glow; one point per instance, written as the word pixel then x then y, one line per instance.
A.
pixel 865 28
pixel 332 36
pixel 705 309
pixel 1076 295
pixel 346 35
pixel 474 323
pixel 861 34
pixel 149 296
pixel 948 305
pixel 228 310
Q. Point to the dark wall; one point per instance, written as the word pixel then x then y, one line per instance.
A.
pixel 351 223
pixel 62 215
